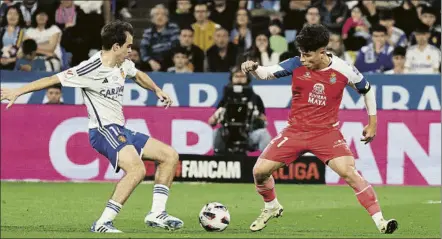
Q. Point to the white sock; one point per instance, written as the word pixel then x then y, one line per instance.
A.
pixel 160 195
pixel 110 212
pixel 271 204
pixel 377 218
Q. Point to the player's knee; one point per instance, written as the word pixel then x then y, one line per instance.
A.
pixel 349 174
pixel 171 156
pixel 136 169
pixel 260 174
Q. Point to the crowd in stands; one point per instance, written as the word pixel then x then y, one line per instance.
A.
pixel 391 37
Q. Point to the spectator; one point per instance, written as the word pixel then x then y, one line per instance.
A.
pixel 180 61
pixel 259 136
pixel 428 17
pixel 183 15
pixel 11 35
pixel 398 61
pixel 221 56
pixel 158 39
pixel 48 36
pixel 30 61
pixel 369 10
pixel 196 56
pixel 122 8
pixel 135 57
pixel 376 56
pixel 3 7
pixel 422 58
pixel 405 17
pixel 395 36
pixel 262 53
pixel 54 94
pixel 355 31
pixel 336 46
pixel 71 20
pixel 278 43
pixel 28 9
pixel 97 13
pixel 204 28
pixel 333 14
pixel 312 15
pixel 223 14
pixel 294 18
pixel 241 35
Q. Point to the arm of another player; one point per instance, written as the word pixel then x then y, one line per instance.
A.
pixel 282 69
pixel 12 94
pixel 363 87
pixel 143 80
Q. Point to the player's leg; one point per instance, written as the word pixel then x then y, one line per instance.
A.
pixel 345 167
pixel 331 148
pixel 134 169
pixel 167 160
pixel 281 150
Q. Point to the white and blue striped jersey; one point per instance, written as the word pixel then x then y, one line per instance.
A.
pixel 102 88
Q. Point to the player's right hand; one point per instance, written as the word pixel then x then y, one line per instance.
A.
pixel 9 94
pixel 249 66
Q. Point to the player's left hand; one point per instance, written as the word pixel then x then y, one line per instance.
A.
pixel 9 94
pixel 369 133
pixel 164 98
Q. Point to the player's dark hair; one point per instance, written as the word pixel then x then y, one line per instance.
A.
pixel 115 33
pixel 312 37
pixel 378 28
pixel 399 51
pixel 29 46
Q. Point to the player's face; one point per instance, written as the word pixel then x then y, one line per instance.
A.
pixel 422 38
pixel 312 59
pixel 123 51
pixel 239 78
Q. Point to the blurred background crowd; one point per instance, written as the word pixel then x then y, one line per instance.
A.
pixel 182 36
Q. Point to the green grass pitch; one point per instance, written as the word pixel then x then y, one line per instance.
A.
pixel 68 210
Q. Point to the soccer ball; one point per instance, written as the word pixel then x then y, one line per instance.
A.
pixel 214 217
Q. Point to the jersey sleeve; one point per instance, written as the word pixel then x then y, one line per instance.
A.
pixel 78 76
pixel 131 69
pixel 355 78
pixel 285 68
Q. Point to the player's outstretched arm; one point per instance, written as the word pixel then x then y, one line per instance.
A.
pixel 12 94
pixel 282 69
pixel 143 80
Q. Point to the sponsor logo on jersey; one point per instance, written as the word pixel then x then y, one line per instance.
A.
pixel 305 76
pixel 317 95
pixel 113 93
pixel 333 78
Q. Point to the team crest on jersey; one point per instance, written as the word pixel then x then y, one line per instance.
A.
pixel 122 73
pixel 122 139
pixel 333 78
pixel 428 58
pixel 318 88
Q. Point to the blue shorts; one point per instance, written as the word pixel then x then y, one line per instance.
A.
pixel 110 139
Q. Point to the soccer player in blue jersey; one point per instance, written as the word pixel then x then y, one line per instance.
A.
pixel 102 79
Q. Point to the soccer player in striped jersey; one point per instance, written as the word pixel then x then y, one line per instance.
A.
pixel 318 82
pixel 102 79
